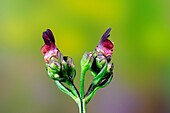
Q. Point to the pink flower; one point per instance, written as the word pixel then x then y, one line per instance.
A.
pixel 49 49
pixel 105 45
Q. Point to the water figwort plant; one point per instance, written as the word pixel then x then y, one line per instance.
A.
pixel 62 69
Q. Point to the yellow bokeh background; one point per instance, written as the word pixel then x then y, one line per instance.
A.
pixel 141 56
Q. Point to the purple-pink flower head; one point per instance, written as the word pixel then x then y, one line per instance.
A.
pixel 49 49
pixel 105 45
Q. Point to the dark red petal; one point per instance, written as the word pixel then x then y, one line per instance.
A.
pixel 46 38
pixel 105 45
pixel 108 44
pixel 50 35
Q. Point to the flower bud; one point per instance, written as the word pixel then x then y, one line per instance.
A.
pixel 87 60
pixel 98 63
pixel 53 76
pixel 54 67
pixel 64 68
pixel 105 81
pixel 71 72
pixel 108 76
pixel 100 60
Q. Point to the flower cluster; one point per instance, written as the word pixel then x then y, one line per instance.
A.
pixel 103 55
pixel 59 67
pixel 98 63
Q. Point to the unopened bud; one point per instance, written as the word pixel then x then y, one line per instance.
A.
pixel 53 75
pixel 100 60
pixel 59 56
pixel 54 67
pixel 87 60
pixel 70 67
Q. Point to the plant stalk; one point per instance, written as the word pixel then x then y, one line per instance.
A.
pixel 82 84
pixel 82 106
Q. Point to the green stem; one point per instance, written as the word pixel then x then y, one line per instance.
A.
pixel 67 91
pixel 74 90
pixel 82 106
pixel 82 84
pixel 88 98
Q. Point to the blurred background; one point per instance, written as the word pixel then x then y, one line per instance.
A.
pixel 141 56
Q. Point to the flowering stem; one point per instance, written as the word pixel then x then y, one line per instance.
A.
pixel 82 105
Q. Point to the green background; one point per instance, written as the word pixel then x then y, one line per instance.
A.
pixel 141 56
